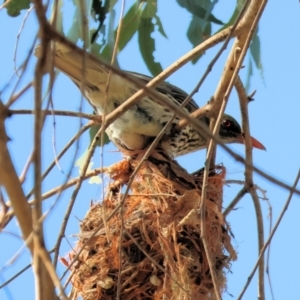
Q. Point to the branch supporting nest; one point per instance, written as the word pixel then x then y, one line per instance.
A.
pixel 158 228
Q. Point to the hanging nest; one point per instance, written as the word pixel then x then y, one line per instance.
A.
pixel 151 248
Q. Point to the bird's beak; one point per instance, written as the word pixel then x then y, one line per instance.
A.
pixel 255 142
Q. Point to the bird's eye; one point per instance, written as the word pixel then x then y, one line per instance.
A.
pixel 226 123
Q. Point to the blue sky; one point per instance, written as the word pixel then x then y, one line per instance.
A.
pixel 274 118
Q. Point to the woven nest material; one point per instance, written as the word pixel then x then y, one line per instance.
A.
pixel 151 248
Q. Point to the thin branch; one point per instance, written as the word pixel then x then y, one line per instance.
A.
pixel 234 202
pixel 14 276
pixel 268 241
pixel 18 37
pixel 70 183
pixel 95 118
pixel 119 30
pixel 64 150
pixel 249 185
pixel 44 256
pixel 22 177
pixel 10 180
pixel 75 193
pixel 43 283
pixel 15 97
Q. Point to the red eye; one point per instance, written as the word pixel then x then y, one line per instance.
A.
pixel 226 123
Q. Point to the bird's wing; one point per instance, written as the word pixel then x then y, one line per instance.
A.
pixel 71 63
pixel 166 88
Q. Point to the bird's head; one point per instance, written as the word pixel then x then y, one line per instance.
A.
pixel 231 132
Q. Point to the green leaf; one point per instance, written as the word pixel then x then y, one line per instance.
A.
pixel 14 7
pixel 231 20
pixel 147 45
pixel 108 49
pixel 95 49
pixel 198 31
pixel 80 162
pixel 202 12
pixel 160 27
pixel 234 16
pixel 75 32
pixel 130 25
pixel 254 56
pixel 249 75
pixel 93 131
pixel 255 52
pixel 240 4
pixel 150 9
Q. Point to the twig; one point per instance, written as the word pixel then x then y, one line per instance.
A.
pixel 15 97
pixel 10 180
pixel 15 276
pixel 71 182
pixel 75 193
pixel 119 30
pixel 64 150
pixel 3 210
pixel 44 256
pixel 234 202
pixel 18 37
pixel 268 241
pixel 22 177
pixel 43 283
pixel 95 118
pixel 269 254
pixel 249 185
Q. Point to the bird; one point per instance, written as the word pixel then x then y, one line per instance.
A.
pixel 142 122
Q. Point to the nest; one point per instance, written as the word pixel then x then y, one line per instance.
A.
pixel 151 246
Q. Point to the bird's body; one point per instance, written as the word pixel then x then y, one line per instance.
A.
pixel 140 124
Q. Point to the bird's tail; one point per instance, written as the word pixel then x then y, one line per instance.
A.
pixel 80 68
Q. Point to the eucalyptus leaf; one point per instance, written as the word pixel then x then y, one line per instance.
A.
pixel 110 36
pixel 93 131
pixel 249 74
pixel 198 31
pixel 80 162
pixel 160 27
pixel 147 45
pixel 130 25
pixel 150 9
pixel 231 20
pixel 75 31
pixel 256 53
pixel 202 12
pixel 14 7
